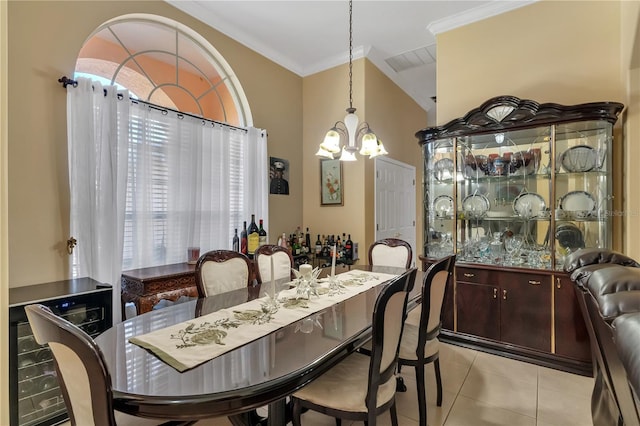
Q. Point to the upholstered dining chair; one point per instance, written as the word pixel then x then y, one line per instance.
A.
pixel 391 252
pixel 282 262
pixel 361 387
pixel 419 344
pixel 82 373
pixel 219 271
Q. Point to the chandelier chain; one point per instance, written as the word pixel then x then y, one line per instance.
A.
pixel 350 54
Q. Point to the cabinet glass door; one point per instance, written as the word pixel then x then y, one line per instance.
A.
pixel 504 198
pixel 583 187
pixel 440 207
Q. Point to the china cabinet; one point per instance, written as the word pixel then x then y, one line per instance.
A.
pixel 512 187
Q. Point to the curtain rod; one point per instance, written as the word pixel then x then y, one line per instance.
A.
pixel 65 81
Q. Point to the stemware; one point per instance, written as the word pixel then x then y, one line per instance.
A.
pixel 512 245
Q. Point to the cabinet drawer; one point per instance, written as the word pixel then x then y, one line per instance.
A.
pixel 525 278
pixel 473 275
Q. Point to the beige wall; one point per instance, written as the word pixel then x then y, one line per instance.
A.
pixel 4 261
pixel 45 38
pixel 549 51
pixel 325 98
pixel 630 30
pixel 392 115
pixel 563 52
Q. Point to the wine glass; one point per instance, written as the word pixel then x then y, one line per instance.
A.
pixel 513 244
pixel 483 248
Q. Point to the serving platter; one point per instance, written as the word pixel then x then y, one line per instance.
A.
pixel 578 201
pixel 529 205
pixel 443 169
pixel 443 205
pixel 476 204
pixel 579 158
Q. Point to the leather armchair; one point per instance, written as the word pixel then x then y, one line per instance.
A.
pixel 608 286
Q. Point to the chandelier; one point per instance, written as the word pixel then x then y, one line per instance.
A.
pixel 349 128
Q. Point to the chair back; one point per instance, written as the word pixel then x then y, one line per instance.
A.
pixel 388 322
pixel 282 263
pixel 434 286
pixel 219 271
pixel 391 252
pixel 82 373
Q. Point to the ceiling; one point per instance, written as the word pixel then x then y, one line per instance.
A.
pixel 307 36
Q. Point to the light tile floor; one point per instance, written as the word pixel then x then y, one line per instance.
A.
pixel 483 389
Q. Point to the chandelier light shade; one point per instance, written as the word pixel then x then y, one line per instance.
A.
pixel 349 129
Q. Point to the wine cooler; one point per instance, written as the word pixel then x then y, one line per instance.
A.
pixel 35 395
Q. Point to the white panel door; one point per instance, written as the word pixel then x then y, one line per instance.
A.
pixel 396 201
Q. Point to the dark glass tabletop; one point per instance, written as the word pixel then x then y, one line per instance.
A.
pixel 258 373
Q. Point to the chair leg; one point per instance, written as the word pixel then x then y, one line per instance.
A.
pixel 256 419
pixel 422 395
pixel 436 366
pixel 296 412
pixel 394 415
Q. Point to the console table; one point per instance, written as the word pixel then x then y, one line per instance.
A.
pixel 147 286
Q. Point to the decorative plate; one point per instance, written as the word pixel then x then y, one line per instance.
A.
pixel 443 169
pixel 579 158
pixel 476 204
pixel 578 201
pixel 443 205
pixel 529 205
pixel 569 236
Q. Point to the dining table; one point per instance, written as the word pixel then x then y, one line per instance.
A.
pixel 263 371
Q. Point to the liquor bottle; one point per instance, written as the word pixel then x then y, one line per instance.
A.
pixel 262 235
pixel 295 246
pixel 307 240
pixel 318 245
pixel 253 239
pixel 348 249
pixel 283 240
pixel 243 238
pixel 236 240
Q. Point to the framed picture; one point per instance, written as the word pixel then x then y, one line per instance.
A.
pixel 331 184
pixel 278 176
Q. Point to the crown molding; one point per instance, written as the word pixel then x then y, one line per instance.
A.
pixel 476 14
pixel 196 9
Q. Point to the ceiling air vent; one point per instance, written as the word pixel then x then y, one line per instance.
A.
pixel 412 59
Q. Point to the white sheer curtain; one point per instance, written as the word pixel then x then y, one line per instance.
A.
pixel 97 145
pixel 176 181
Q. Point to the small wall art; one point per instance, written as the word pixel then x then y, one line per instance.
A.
pixel 331 183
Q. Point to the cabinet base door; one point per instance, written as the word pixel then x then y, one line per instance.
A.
pixel 478 310
pixel 526 310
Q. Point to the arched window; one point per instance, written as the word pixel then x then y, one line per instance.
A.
pixel 164 62
pixel 149 181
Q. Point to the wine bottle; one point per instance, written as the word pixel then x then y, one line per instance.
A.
pixel 307 240
pixel 243 238
pixel 318 245
pixel 253 237
pixel 262 235
pixel 348 249
pixel 236 241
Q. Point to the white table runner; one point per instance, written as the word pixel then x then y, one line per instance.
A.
pixel 188 344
